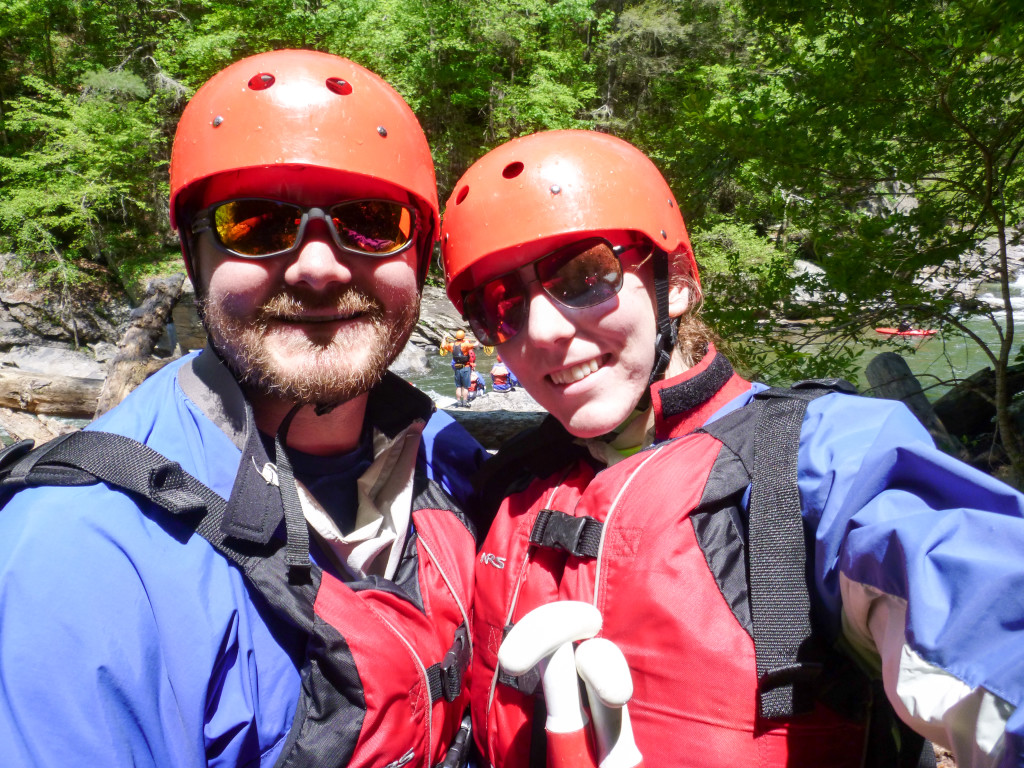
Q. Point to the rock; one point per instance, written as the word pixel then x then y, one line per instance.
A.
pixel 95 310
pixel 188 328
pixel 411 360
pixel 13 333
pixel 103 351
pixel 53 361
pixel 493 428
pixel 518 400
pixel 968 409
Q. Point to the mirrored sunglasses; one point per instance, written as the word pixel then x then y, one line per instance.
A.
pixel 579 275
pixel 256 228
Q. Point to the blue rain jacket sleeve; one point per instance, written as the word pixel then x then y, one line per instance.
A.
pixel 920 558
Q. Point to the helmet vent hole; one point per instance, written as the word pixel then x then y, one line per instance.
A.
pixel 339 86
pixel 512 170
pixel 462 195
pixel 261 81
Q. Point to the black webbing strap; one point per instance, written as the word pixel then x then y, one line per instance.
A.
pixel 445 677
pixel 132 466
pixel 579 536
pixel 779 599
pixel 665 341
pixel 297 532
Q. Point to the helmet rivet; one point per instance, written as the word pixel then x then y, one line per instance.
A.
pixel 218 120
pixel 663 235
pixel 382 131
pixel 669 203
pixel 446 236
pixel 555 189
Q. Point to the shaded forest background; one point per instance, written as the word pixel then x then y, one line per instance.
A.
pixel 877 140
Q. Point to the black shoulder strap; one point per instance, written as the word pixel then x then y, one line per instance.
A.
pixel 88 456
pixel 780 603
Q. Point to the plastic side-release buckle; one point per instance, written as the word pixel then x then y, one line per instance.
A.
pixel 445 677
pixel 579 536
pixel 528 683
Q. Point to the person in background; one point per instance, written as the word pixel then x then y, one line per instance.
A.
pixel 463 364
pixel 774 622
pixel 502 379
pixel 323 618
pixel 477 386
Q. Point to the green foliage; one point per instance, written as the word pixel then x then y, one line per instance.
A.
pixel 86 171
pixel 878 141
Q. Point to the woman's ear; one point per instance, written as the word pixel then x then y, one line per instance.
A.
pixel 680 298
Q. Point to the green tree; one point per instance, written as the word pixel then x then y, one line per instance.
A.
pixel 890 132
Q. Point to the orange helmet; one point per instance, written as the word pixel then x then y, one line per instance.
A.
pixel 460 335
pixel 550 184
pixel 296 108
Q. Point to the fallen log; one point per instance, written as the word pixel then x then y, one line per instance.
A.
pixel 133 361
pixel 50 394
pixel 891 378
pixel 24 426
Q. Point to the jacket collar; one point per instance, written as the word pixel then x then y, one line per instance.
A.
pixel 683 403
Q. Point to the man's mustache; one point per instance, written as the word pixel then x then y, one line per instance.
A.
pixel 296 303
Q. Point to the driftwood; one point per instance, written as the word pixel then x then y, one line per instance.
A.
pixel 24 426
pixel 133 361
pixel 43 393
pixel 891 378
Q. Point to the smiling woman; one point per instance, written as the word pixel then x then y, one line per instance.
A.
pixel 764 518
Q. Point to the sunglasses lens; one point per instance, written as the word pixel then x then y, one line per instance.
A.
pixel 583 274
pixel 256 228
pixel 496 310
pixel 376 227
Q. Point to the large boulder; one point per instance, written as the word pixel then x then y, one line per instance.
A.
pixel 95 310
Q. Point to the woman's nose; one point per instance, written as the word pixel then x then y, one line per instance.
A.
pixel 547 322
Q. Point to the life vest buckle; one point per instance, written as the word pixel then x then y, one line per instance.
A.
pixel 579 536
pixel 454 665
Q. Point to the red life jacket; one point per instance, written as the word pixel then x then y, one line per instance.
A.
pixel 671 583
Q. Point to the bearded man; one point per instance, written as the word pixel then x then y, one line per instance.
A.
pixel 314 611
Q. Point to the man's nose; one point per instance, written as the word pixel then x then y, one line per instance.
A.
pixel 318 261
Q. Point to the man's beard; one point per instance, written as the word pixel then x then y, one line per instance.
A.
pixel 330 371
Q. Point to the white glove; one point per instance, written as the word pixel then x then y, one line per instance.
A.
pixel 544 638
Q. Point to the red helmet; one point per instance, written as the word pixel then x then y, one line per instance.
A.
pixel 550 184
pixel 302 108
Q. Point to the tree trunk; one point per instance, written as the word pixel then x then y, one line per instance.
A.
pixel 133 361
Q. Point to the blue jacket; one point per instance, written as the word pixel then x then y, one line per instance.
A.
pixel 128 641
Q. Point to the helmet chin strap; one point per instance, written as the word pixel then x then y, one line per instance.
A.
pixel 665 340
